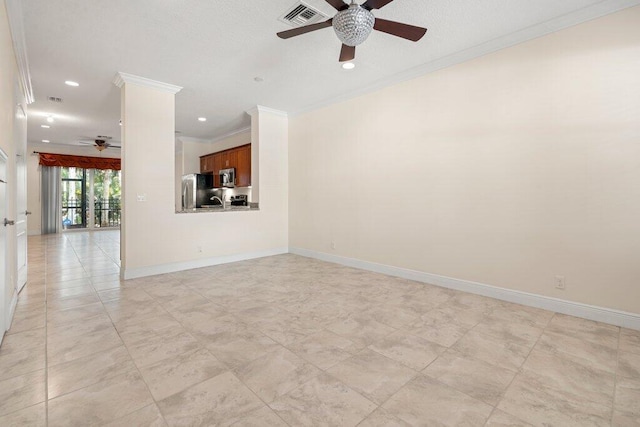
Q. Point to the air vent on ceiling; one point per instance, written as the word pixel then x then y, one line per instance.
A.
pixel 302 14
pixel 55 99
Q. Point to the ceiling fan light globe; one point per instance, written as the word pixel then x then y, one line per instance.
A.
pixel 353 25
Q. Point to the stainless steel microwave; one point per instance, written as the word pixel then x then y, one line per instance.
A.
pixel 228 177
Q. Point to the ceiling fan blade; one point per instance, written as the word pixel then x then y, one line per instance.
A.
pixel 375 4
pixel 303 30
pixel 398 29
pixel 347 53
pixel 339 4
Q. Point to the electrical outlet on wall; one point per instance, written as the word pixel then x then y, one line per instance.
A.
pixel 333 245
pixel 560 283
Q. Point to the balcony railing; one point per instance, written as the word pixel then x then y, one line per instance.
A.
pixel 75 213
pixel 107 212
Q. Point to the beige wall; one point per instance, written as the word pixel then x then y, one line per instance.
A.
pixel 506 170
pixel 156 239
pixel 34 203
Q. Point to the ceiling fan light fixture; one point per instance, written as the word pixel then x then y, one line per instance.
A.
pixel 353 25
pixel 101 143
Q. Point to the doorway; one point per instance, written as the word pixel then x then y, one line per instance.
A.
pixel 91 198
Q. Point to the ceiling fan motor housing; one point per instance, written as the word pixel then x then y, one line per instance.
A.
pixel 353 25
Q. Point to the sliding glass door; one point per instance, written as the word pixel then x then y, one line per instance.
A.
pixel 74 197
pixel 90 198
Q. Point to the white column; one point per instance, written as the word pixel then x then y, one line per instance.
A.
pixel 269 130
pixel 148 149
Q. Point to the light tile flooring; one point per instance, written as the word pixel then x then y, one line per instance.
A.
pixel 292 341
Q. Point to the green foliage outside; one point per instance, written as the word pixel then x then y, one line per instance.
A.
pixel 106 190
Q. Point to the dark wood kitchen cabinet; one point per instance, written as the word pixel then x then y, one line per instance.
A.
pixel 243 168
pixel 238 158
pixel 217 165
pixel 229 158
pixel 206 164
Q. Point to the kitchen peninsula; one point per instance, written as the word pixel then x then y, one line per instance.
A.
pixel 252 207
pixel 222 185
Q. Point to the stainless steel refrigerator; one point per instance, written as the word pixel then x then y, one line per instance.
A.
pixel 197 190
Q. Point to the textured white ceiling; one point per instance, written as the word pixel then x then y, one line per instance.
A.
pixel 214 49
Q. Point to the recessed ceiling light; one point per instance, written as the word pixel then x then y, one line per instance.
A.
pixel 202 119
pixel 50 119
pixel 46 141
pixel 348 65
pixel 72 83
pixel 45 126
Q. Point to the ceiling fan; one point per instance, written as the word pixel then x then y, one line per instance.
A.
pixel 101 143
pixel 353 23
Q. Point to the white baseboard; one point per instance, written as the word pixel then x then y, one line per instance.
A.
pixel 134 273
pixel 12 311
pixel 599 314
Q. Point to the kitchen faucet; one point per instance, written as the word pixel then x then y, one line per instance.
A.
pixel 218 199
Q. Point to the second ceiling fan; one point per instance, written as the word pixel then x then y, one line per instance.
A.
pixel 100 142
pixel 353 23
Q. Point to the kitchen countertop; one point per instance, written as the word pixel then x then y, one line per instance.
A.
pixel 219 209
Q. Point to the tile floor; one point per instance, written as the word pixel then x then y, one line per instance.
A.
pixel 292 341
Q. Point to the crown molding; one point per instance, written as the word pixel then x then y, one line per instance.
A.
pixel 16 24
pixel 215 139
pixel 230 134
pixel 192 139
pixel 261 109
pixel 581 16
pixel 121 78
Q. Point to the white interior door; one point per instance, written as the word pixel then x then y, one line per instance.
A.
pixel 20 138
pixel 4 309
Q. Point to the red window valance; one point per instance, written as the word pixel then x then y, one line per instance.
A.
pixel 64 160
